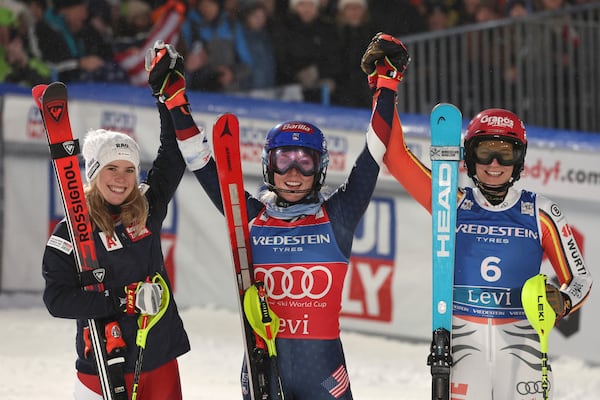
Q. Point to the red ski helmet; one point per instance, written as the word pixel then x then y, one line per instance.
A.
pixel 496 124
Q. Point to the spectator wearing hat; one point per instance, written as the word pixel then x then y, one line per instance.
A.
pixel 328 9
pixel 466 11
pixel 200 74
pixel 74 47
pixel 438 16
pixel 307 50
pixel 134 25
pixel 18 61
pixel 354 29
pixel 254 18
pixel 139 28
pixel 517 8
pixel 223 39
pixel 397 17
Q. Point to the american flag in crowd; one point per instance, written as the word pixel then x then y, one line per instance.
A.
pixel 337 383
pixel 167 21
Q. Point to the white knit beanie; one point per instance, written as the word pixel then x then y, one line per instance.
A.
pixel 294 3
pixel 344 3
pixel 102 147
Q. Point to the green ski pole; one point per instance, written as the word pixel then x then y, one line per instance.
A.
pixel 265 324
pixel 145 323
pixel 541 316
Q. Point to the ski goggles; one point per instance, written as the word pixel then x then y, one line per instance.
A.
pixel 506 153
pixel 305 160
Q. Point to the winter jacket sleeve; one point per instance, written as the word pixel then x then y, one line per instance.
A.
pixel 63 293
pixel 167 168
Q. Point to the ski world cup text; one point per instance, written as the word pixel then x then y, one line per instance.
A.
pixel 443 216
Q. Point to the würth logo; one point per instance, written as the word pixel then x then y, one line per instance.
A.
pixel 56 109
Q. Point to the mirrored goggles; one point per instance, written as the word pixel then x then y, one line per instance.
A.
pixel 304 160
pixel 505 152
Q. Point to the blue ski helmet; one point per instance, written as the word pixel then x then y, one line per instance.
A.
pixel 296 134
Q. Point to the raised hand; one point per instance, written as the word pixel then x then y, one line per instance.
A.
pixel 166 74
pixel 385 61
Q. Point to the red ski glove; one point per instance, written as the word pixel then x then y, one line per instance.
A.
pixel 385 61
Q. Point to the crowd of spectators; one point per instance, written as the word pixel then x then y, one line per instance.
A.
pixel 307 50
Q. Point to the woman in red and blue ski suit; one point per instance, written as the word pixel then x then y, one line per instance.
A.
pixel 301 240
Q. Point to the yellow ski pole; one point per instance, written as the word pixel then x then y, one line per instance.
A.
pixel 265 324
pixel 541 316
pixel 145 322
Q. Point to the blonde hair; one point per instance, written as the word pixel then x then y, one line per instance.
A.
pixel 134 211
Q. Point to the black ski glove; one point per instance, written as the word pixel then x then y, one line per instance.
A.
pixel 560 302
pixel 166 74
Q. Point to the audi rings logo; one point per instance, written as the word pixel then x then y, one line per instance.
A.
pixel 296 282
pixel 530 387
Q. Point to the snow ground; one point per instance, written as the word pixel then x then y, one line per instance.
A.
pixel 37 359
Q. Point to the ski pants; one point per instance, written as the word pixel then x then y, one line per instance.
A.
pixel 309 370
pixel 496 359
pixel 159 384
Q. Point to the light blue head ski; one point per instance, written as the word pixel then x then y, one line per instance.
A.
pixel 446 124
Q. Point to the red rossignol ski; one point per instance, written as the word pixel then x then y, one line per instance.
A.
pixel 226 144
pixel 52 103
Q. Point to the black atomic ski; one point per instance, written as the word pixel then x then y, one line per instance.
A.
pixel 259 343
pixel 52 103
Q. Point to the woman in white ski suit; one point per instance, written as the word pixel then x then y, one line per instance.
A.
pixel 501 236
